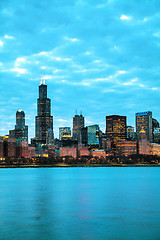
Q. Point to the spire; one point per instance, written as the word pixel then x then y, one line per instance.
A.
pixel 41 77
pixel 44 78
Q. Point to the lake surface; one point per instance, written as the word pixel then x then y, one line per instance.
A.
pixel 80 203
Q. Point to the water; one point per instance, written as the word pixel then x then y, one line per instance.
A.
pixel 80 203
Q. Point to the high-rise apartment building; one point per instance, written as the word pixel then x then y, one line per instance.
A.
pixel 78 124
pixel 44 120
pixel 144 120
pixel 115 129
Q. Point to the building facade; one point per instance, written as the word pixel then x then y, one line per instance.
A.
pixel 93 134
pixel 78 124
pixel 44 120
pixel 143 143
pixel 115 130
pixel 64 131
pixel 126 148
pixel 21 130
pixel 144 120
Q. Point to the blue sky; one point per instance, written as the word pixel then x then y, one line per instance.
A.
pixel 99 56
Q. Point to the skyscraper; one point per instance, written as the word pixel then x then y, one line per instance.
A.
pixel 144 120
pixel 78 124
pixel 21 130
pixel 93 134
pixel 44 120
pixel 115 129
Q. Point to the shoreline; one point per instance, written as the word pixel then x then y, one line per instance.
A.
pixel 75 165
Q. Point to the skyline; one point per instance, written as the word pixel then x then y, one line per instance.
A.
pixel 104 52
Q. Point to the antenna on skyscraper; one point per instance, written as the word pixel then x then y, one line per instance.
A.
pixel 76 111
pixel 81 112
pixel 41 76
pixel 44 78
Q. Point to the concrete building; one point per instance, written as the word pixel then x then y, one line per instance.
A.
pixel 31 151
pixel 84 152
pixel 143 143
pixel 68 151
pixel 98 153
pixel 126 148
pixel 155 149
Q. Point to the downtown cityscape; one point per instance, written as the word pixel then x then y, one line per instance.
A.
pixel 80 120
pixel 119 144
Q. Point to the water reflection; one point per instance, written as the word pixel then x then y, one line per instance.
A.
pixel 80 203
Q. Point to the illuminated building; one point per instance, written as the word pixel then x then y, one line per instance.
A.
pixel 98 153
pixel 84 152
pixel 1 149
pixel 93 134
pixel 126 148
pixel 156 135
pixel 155 125
pixel 31 151
pixel 51 151
pixel 22 148
pixel 21 130
pixel 50 137
pixel 115 130
pixel 11 147
pixel 78 124
pixel 144 120
pixel 68 151
pixel 155 149
pixel 64 131
pixel 143 143
pixel 44 120
pixel 130 132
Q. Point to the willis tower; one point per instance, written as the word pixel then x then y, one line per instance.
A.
pixel 44 120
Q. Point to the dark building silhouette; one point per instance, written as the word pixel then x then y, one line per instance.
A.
pixel 44 120
pixel 84 136
pixel 115 129
pixel 21 130
pixel 78 124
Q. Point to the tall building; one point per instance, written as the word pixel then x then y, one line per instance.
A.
pixel 64 131
pixel 78 124
pixel 93 134
pixel 130 132
pixel 144 120
pixel 21 130
pixel 143 143
pixel 115 129
pixel 44 120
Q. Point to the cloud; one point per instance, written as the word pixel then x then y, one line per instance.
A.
pixel 9 37
pixel 124 17
pixel 71 39
pixel 19 70
pixel 1 43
